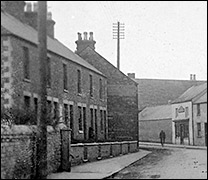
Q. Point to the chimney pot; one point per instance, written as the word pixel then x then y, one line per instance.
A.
pixel 131 75
pixel 28 7
pixel 194 77
pixel 191 77
pixel 79 36
pixel 85 35
pixel 35 7
pixel 91 36
pixel 49 16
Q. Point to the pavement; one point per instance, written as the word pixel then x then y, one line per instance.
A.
pixel 100 169
pixel 105 168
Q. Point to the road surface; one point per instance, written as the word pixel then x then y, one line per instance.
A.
pixel 175 163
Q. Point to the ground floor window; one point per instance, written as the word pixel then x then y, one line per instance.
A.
pixel 199 129
pixel 80 118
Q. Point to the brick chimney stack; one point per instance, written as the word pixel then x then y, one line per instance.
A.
pixel 14 8
pixel 193 77
pixel 131 75
pixel 31 18
pixel 83 43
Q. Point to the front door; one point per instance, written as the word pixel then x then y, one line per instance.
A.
pixel 181 133
pixel 205 129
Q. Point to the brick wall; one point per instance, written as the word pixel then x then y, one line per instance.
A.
pixel 18 151
pixel 85 152
pixel 122 95
pixel 149 130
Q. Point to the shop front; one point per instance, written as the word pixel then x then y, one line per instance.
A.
pixel 182 132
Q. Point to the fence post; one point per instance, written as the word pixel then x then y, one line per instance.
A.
pixel 65 150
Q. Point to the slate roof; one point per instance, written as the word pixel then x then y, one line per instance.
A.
pixel 191 93
pixel 24 31
pixel 114 75
pixel 156 113
pixel 153 92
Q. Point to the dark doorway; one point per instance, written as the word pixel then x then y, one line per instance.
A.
pixel 205 129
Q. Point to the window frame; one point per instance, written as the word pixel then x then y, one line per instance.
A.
pixel 26 62
pixel 65 77
pixel 79 82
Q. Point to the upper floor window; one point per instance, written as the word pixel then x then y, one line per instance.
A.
pixel 79 82
pixel 26 63
pixel 198 110
pixel 65 77
pixel 186 112
pixel 91 86
pixel 48 71
pixel 101 89
pixel 80 118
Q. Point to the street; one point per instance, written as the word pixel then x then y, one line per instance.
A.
pixel 175 163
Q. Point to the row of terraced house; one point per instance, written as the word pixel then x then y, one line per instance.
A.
pixel 83 88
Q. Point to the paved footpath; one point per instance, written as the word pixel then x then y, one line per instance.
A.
pixel 158 145
pixel 100 169
pixel 105 168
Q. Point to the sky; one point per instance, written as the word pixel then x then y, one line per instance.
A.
pixel 163 39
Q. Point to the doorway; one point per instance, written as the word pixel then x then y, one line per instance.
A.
pixel 205 130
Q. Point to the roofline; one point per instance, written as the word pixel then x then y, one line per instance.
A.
pixel 14 35
pixel 192 99
pixel 171 79
pixel 199 95
pixel 109 63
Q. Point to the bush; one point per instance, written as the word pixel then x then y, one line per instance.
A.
pixel 18 116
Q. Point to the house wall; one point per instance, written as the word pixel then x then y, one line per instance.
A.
pixel 181 117
pixel 149 130
pixel 122 93
pixel 21 87
pixel 199 140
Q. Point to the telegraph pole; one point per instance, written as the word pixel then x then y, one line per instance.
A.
pixel 41 143
pixel 118 33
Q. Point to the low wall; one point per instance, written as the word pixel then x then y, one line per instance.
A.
pixel 149 130
pixel 94 151
pixel 18 151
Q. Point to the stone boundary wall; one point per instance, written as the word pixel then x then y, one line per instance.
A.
pixel 18 150
pixel 88 152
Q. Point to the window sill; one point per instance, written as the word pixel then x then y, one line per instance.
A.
pixel 81 132
pixel 79 94
pixel 27 80
pixel 199 136
pixel 66 91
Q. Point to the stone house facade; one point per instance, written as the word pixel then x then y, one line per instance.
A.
pixel 76 91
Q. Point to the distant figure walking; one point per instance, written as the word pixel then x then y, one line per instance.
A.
pixel 162 137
